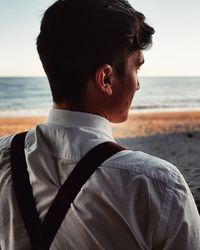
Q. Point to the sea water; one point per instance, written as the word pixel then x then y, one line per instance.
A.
pixel 31 95
pixel 168 93
pixel 24 96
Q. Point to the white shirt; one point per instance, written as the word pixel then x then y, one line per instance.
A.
pixel 132 201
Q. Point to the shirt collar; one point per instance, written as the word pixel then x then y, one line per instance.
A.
pixel 67 118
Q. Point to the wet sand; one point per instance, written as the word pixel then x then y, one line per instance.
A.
pixel 173 136
pixel 12 125
pixel 138 123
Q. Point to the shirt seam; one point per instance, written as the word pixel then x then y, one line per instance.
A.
pixel 135 171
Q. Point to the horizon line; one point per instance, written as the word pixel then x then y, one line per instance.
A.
pixel 43 76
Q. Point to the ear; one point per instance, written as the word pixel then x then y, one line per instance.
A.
pixel 103 77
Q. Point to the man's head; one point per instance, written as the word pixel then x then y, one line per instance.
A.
pixel 78 37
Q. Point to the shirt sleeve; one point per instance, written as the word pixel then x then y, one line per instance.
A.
pixel 185 221
pixel 182 221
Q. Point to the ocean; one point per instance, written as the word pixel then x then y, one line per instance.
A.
pixel 21 96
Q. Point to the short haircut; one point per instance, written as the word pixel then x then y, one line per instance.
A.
pixel 78 36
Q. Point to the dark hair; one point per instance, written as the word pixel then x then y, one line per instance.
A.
pixel 77 36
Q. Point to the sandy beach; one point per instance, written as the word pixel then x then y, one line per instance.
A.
pixel 171 135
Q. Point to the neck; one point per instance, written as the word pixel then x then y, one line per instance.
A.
pixel 80 108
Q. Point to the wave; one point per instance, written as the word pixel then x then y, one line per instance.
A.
pixel 24 112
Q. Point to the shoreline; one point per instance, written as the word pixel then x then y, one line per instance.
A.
pixel 151 123
pixel 139 123
pixel 44 112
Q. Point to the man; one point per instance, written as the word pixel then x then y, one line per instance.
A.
pixel 91 52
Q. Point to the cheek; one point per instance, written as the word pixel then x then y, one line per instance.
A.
pixel 133 84
pixel 135 80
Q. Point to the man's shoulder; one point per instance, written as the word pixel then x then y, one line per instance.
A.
pixel 5 142
pixel 140 163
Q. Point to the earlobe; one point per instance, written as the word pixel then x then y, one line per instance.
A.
pixel 108 89
pixel 103 79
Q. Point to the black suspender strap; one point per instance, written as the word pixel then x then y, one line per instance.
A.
pixel 23 189
pixel 42 234
pixel 82 172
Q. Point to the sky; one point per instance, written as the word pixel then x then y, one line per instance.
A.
pixel 176 43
